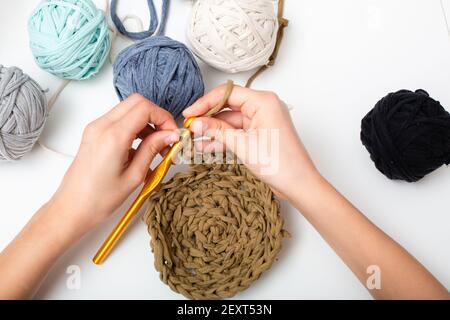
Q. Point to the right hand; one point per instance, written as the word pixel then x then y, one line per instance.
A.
pixel 239 130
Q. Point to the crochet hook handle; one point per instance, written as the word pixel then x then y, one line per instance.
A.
pixel 153 180
pixel 118 231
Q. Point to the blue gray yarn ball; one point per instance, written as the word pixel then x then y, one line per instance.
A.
pixel 69 38
pixel 161 69
pixel 23 112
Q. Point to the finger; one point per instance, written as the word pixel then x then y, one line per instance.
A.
pixel 147 151
pixel 121 109
pixel 142 135
pixel 209 127
pixel 239 96
pixel 234 139
pixel 209 146
pixel 233 118
pixel 131 154
pixel 118 111
pixel 148 130
pixel 165 151
pixel 140 116
pixel 105 121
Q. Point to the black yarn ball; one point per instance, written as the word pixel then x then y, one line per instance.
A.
pixel 407 135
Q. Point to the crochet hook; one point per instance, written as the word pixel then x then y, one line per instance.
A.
pixel 152 181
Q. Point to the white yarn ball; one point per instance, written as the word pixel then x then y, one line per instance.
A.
pixel 233 35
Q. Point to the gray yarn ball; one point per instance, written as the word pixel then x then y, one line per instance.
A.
pixel 23 112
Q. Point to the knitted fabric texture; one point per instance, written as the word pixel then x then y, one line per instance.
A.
pixel 161 69
pixel 233 35
pixel 214 230
pixel 154 27
pixel 23 112
pixel 407 135
pixel 69 38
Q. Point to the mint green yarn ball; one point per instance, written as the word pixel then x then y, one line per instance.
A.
pixel 69 38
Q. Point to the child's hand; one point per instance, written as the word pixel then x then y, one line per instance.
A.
pixel 106 169
pixel 283 161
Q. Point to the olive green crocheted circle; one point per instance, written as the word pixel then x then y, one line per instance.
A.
pixel 214 231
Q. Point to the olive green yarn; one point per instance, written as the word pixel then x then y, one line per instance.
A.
pixel 214 230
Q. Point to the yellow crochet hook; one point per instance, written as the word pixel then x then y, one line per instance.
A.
pixel 152 181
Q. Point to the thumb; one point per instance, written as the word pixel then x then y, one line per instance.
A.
pixel 147 151
pixel 234 139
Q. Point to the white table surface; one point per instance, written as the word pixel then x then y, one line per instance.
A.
pixel 338 59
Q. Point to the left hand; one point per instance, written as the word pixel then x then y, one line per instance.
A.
pixel 106 169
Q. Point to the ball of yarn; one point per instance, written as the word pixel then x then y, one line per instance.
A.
pixel 233 35
pixel 161 69
pixel 407 135
pixel 214 231
pixel 23 112
pixel 69 38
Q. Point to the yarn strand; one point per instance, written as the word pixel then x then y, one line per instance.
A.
pixel 223 101
pixel 444 13
pixel 58 91
pixel 115 33
pixel 51 103
pixel 154 28
pixel 282 24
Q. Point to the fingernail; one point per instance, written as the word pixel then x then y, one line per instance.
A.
pixel 173 137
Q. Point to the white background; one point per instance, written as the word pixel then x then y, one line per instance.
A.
pixel 338 59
